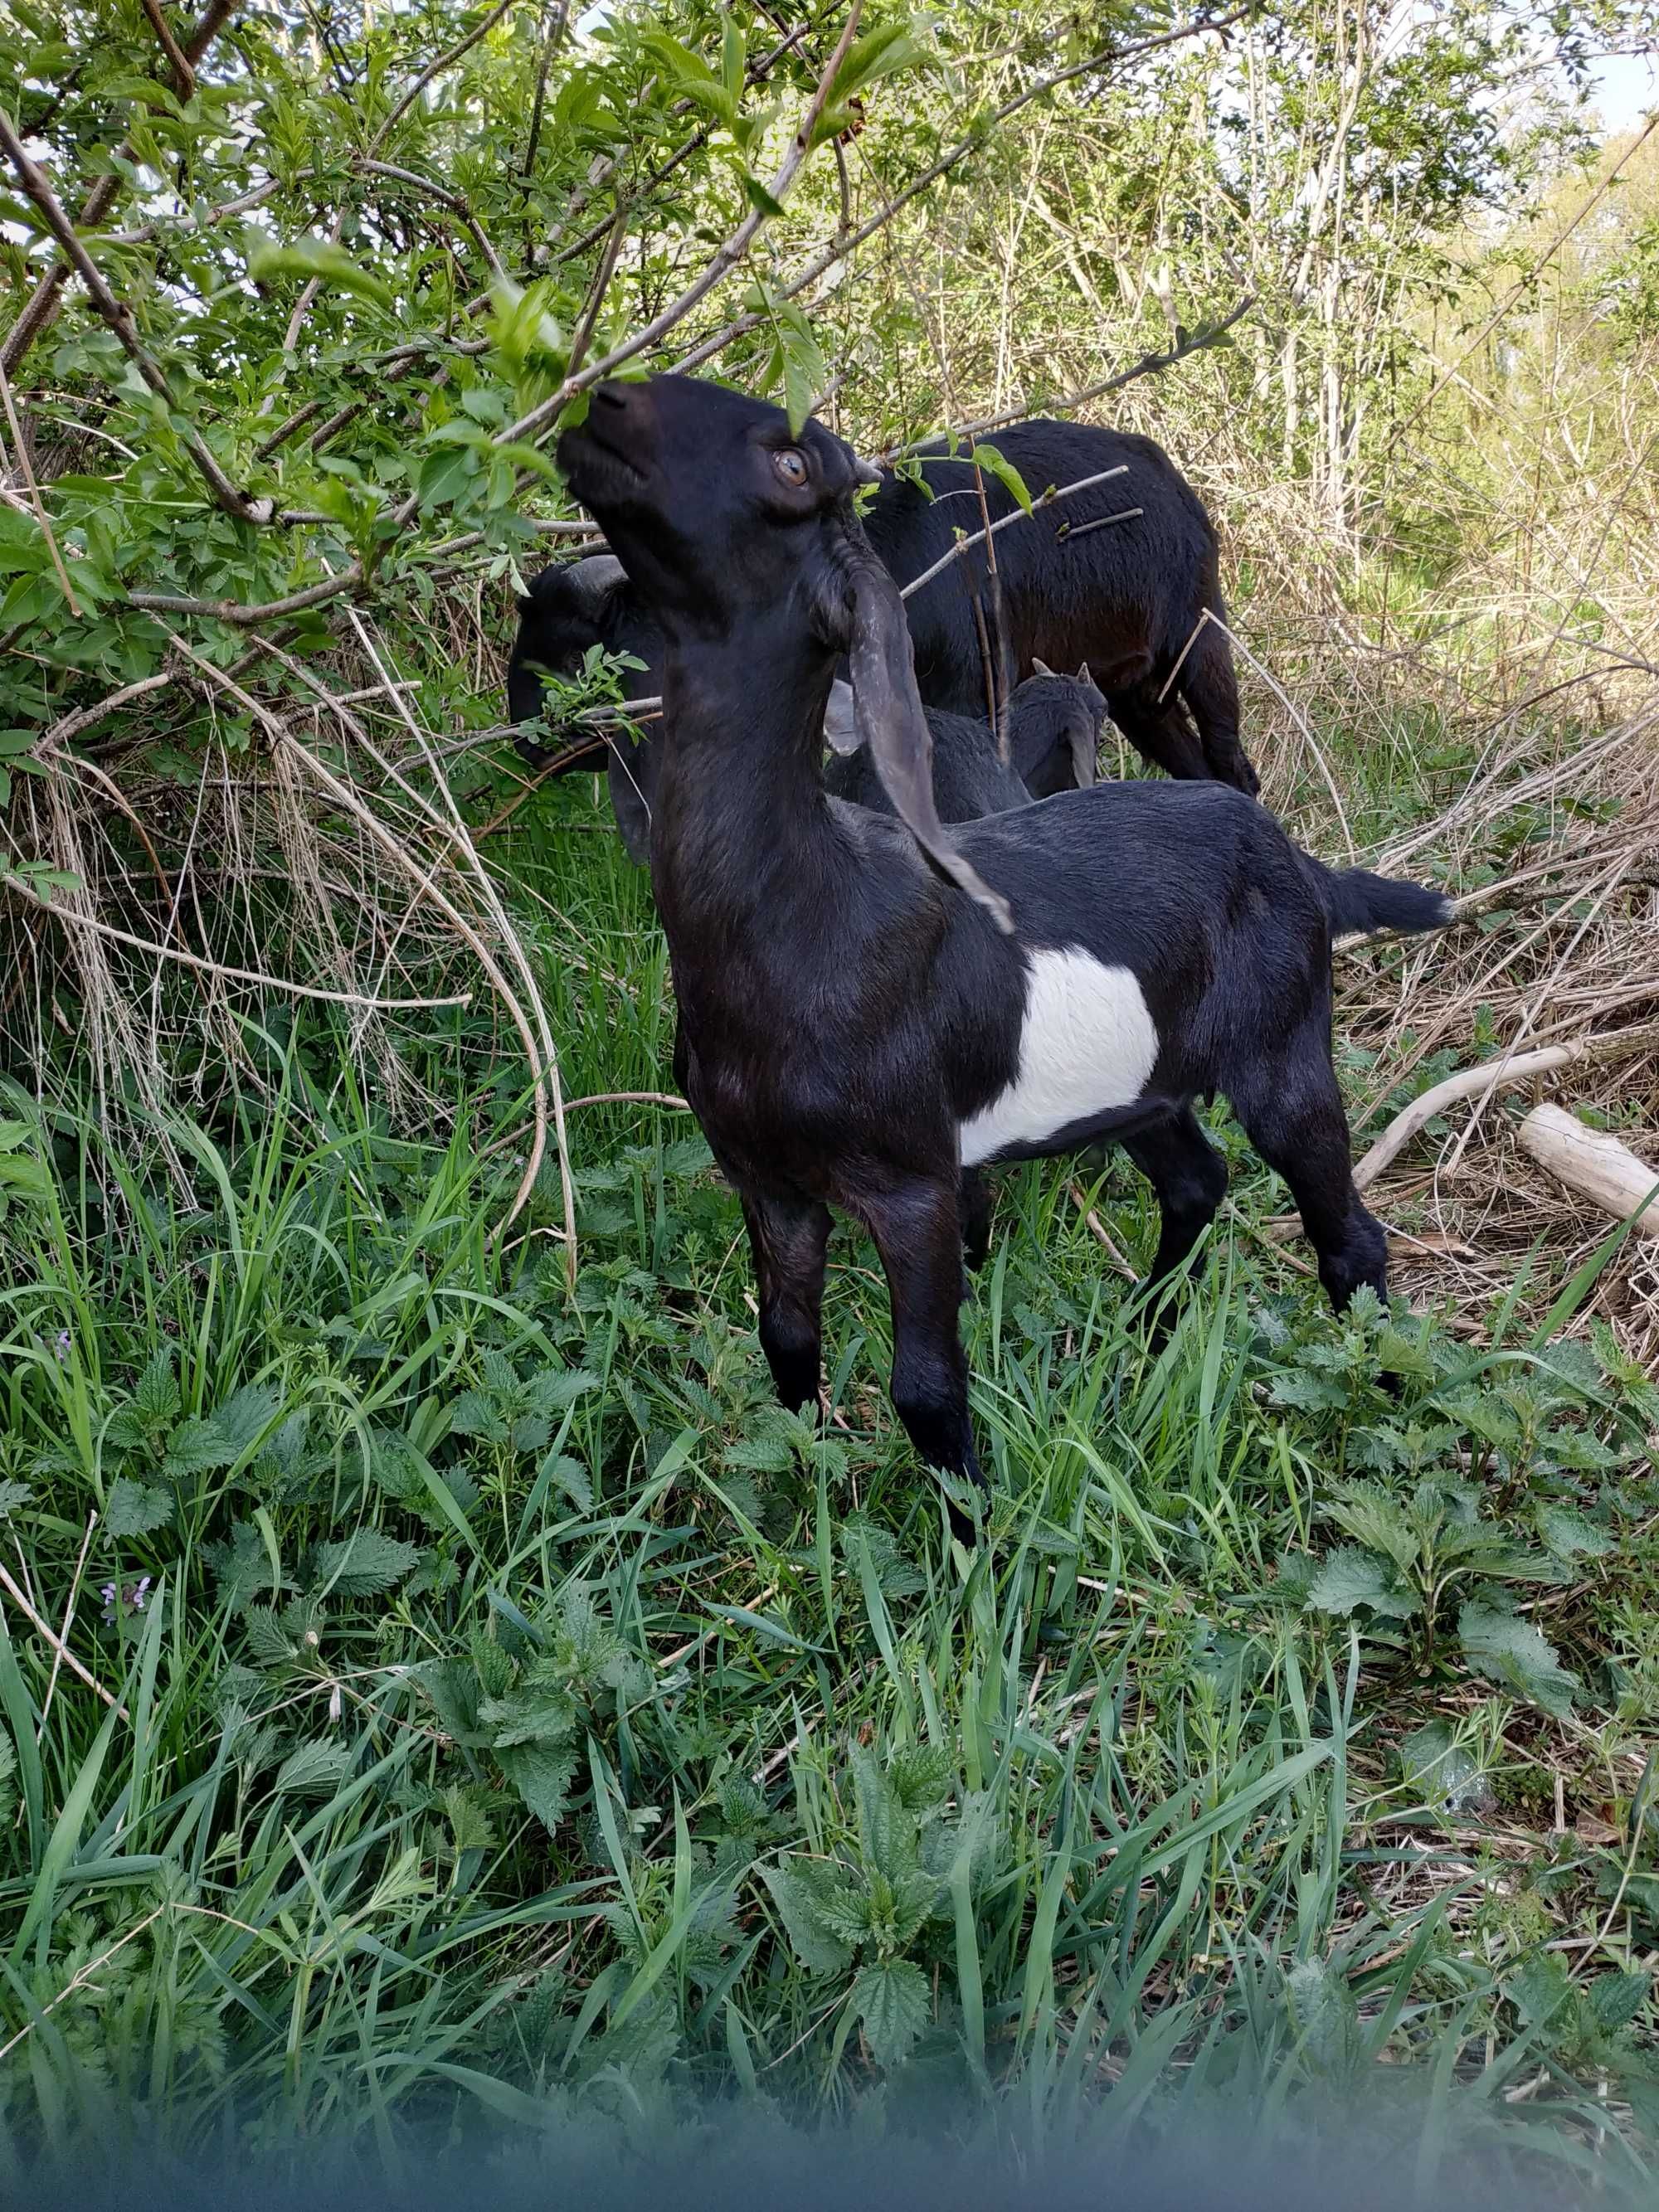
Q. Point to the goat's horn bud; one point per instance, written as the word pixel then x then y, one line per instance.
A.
pixel 865 472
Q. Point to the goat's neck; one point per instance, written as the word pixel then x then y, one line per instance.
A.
pixel 742 823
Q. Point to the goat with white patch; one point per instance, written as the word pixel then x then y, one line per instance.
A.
pixel 868 1004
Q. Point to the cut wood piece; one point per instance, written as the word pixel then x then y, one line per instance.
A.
pixel 1596 1164
pixel 1476 1082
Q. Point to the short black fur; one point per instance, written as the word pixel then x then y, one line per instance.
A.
pixel 853 988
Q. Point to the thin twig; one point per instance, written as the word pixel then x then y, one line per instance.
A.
pixel 38 186
pixel 445 60
pixel 63 1634
pixel 26 465
pixel 60 1647
pixel 1020 514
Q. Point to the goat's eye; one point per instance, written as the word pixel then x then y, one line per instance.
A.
pixel 791 465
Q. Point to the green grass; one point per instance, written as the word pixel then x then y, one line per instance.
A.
pixel 522 1716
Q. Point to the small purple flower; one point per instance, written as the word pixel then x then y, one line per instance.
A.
pixel 123 1600
pixel 60 1345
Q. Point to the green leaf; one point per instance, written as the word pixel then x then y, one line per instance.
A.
pixel 891 1998
pixel 309 257
pixel 156 1398
pixel 541 1774
pixel 1615 1999
pixel 363 1566
pixel 135 1509
pixel 571 1477
pixel 1570 1535
pixel 12 1495
pixel 818 1950
pixel 1505 1649
pixel 1348 1578
pixel 315 1770
pixel 997 465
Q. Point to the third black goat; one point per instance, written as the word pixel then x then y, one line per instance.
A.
pixel 866 1005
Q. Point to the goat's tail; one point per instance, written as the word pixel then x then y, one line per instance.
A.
pixel 1360 905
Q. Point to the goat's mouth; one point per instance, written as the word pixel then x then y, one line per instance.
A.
pixel 597 471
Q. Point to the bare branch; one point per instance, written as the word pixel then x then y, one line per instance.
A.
pixel 184 76
pixel 1019 514
pixel 840 249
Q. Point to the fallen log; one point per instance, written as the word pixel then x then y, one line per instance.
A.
pixel 1594 1164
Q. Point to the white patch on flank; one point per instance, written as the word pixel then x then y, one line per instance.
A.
pixel 1087 1042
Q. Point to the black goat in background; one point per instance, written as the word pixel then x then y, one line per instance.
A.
pixel 1129 597
pixel 866 1006
pixel 1053 734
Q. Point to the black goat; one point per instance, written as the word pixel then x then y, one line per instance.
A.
pixel 1053 734
pixel 1129 597
pixel 853 1029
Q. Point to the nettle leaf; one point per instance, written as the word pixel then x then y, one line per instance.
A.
pixel 12 1495
pixel 922 1775
pixel 1570 1535
pixel 1308 1392
pixel 1615 1999
pixel 892 2000
pixel 1348 1578
pixel 156 1398
pixel 1505 1649
pixel 541 1773
pixel 364 1565
pixel 476 1413
pixel 242 1568
pixel 314 1769
pixel 1372 1518
pixel 135 1509
pixel 571 1476
pixel 806 1921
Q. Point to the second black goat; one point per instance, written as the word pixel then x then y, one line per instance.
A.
pixel 866 1005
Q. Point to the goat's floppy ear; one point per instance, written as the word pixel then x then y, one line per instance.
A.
pixel 1085 739
pixel 888 709
pixel 841 729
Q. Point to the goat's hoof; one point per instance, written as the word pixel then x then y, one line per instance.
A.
pixel 1243 777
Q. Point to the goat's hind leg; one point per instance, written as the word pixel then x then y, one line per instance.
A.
pixel 789 1239
pixel 1292 1111
pixel 1186 1171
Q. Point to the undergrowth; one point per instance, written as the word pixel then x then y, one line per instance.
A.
pixel 514 1709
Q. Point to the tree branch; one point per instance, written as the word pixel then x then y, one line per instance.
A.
pixel 43 303
pixel 119 317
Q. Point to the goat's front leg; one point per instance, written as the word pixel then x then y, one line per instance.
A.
pixel 974 1201
pixel 789 1239
pixel 918 1233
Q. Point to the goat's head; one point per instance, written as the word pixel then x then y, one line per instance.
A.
pixel 1066 715
pixel 565 611
pixel 728 522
